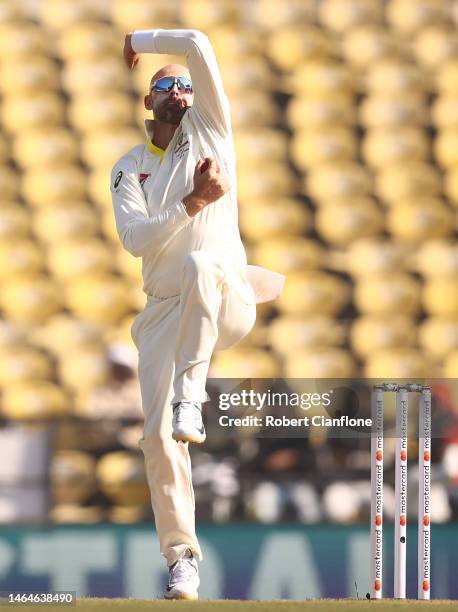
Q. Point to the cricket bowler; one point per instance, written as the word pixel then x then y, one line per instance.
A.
pixel 175 205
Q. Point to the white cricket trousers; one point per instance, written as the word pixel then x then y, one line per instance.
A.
pixel 175 338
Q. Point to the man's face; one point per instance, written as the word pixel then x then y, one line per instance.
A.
pixel 169 106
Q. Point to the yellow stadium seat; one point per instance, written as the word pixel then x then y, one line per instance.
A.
pixel 253 146
pixel 409 180
pixel 311 147
pixel 35 401
pixel 108 145
pixel 206 13
pixel 397 363
pixel 95 75
pixel 270 14
pixel 450 369
pixel 18 255
pixel 128 265
pixel 252 75
pixel 341 221
pixel 13 333
pixel 14 220
pixel 434 45
pixel 121 477
pixel 108 225
pixel 91 112
pixel 340 15
pixel 72 476
pixel 89 40
pixel 29 298
pixel 327 362
pixel 408 16
pixel 9 183
pixel 437 257
pixel 367 43
pixel 44 146
pixel 288 333
pixel 451 185
pixel 23 363
pixel 79 515
pixel 70 258
pixel 292 44
pixel 244 363
pixel 320 77
pixel 260 220
pixel 444 111
pixel 447 77
pixel 313 292
pixel 371 333
pixel 229 45
pixel 98 298
pixel 420 218
pixel 10 12
pixel 62 14
pixel 446 147
pixel 395 76
pixel 127 514
pixel 391 110
pixel 439 336
pixel 35 74
pixel 128 15
pixel 22 38
pixel 440 296
pixel 61 333
pixel 269 180
pixel 339 180
pixel 84 367
pixel 320 110
pixel 287 254
pixel 257 108
pixel 373 256
pixel 65 221
pixel 45 185
pixel 384 294
pixel 383 146
pixel 24 112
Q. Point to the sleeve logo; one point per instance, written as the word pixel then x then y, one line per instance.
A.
pixel 118 179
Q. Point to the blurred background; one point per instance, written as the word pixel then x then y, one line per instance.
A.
pixel 345 116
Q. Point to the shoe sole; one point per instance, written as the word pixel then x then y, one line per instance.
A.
pixel 181 595
pixel 188 438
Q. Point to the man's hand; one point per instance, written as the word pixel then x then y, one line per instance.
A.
pixel 209 186
pixel 130 57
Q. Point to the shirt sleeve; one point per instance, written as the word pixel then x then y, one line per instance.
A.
pixel 210 101
pixel 141 234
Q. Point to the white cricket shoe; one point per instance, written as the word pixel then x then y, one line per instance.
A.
pixel 187 424
pixel 183 578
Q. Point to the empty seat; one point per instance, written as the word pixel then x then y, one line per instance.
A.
pixel 14 220
pixel 253 75
pixel 287 253
pixel 84 367
pixel 439 336
pixel 62 332
pixel 230 46
pixel 420 218
pixel 62 14
pixel 373 256
pixel 141 14
pixel 321 77
pixel 68 259
pixel 383 146
pixel 91 112
pixel 367 43
pixel 253 146
pixel 98 298
pixel 121 477
pixel 313 292
pixel 24 363
pixel 340 180
pixel 24 112
pixel 36 73
pixel 409 180
pixel 446 147
pixel 287 333
pixel 257 108
pixel 74 220
pixel 384 294
pixel 250 363
pixel 320 110
pixel 29 298
pixel 271 14
pixel 447 77
pixel 321 362
pixel 18 255
pixel 437 257
pixel 434 45
pixel 44 146
pixel 22 39
pixel 444 111
pixel 269 180
pixel 340 15
pixel 311 147
pixel 45 185
pixel 295 43
pixel 450 369
pixel 280 216
pixel 89 40
pixel 95 75
pixel 341 221
pixel 393 75
pixel 9 183
pixel 397 363
pixel 440 296
pixel 35 400
pixel 408 16
pixel 371 333
pixel 391 110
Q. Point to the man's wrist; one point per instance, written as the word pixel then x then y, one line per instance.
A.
pixel 193 204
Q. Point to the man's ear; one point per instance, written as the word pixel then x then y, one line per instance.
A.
pixel 148 102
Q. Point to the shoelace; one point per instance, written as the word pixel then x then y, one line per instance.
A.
pixel 183 570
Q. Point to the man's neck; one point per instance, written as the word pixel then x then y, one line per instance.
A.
pixel 163 133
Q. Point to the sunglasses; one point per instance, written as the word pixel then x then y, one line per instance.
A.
pixel 167 83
